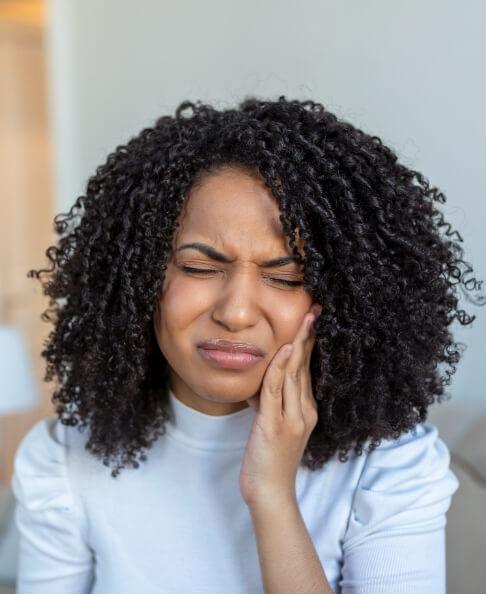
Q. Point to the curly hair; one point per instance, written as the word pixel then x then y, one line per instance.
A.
pixel 375 259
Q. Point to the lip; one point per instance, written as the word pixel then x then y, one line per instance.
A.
pixel 229 359
pixel 219 344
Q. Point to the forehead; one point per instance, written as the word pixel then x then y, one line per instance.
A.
pixel 229 199
pixel 236 210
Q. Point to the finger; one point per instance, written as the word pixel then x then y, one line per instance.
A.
pixel 309 345
pixel 272 385
pixel 294 369
pixel 307 396
pixel 316 309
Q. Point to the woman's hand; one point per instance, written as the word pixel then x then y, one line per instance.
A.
pixel 286 414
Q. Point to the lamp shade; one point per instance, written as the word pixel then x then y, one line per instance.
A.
pixel 18 385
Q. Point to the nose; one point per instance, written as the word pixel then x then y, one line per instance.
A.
pixel 238 304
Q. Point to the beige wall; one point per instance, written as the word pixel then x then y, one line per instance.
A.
pixel 25 197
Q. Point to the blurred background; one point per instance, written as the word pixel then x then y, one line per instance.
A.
pixel 79 77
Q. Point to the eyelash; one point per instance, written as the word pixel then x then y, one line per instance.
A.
pixel 288 283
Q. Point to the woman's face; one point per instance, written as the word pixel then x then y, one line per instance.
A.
pixel 239 301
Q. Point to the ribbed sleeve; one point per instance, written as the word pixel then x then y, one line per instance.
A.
pixel 395 538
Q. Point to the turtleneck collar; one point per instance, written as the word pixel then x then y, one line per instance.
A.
pixel 208 432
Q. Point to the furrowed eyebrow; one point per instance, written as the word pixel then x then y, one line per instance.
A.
pixel 209 251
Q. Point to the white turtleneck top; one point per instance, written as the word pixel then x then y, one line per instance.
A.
pixel 178 525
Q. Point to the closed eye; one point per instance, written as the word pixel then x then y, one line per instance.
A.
pixel 207 271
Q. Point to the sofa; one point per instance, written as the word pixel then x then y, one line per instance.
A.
pixel 462 427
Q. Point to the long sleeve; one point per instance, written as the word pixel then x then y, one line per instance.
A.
pixel 395 538
pixel 54 557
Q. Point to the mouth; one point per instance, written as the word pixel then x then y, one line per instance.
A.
pixel 229 359
pixel 219 344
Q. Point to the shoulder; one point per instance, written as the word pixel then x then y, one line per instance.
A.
pixel 403 483
pixel 52 525
pixel 41 477
pixel 419 455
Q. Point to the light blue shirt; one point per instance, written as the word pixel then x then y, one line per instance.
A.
pixel 178 525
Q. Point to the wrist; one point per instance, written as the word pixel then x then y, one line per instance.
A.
pixel 272 501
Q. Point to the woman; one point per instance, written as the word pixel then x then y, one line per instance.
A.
pixel 197 255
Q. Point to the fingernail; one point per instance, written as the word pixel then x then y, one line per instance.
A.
pixel 310 322
pixel 316 309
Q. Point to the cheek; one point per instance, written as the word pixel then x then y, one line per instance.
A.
pixel 179 304
pixel 290 316
pixel 173 317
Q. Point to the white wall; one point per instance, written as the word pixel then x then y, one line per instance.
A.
pixel 410 72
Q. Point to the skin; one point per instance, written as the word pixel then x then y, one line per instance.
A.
pixel 234 212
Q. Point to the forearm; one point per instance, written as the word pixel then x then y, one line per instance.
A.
pixel 288 559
